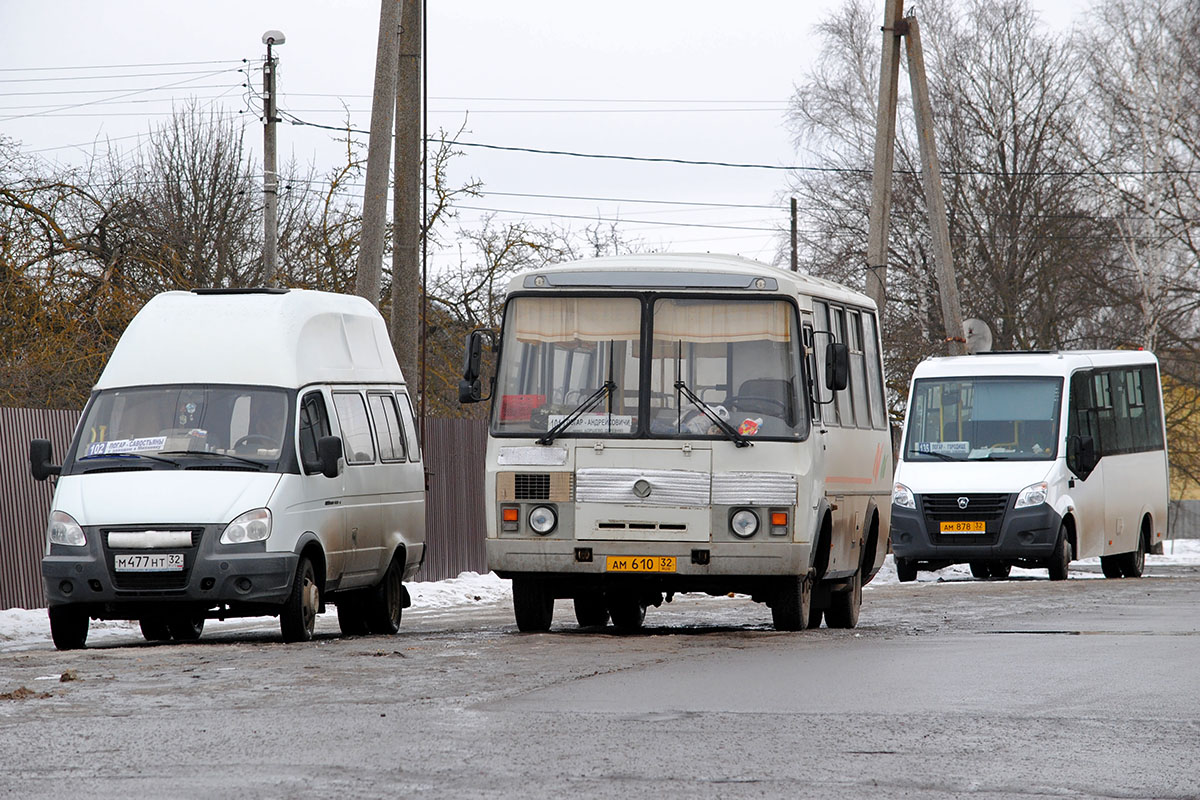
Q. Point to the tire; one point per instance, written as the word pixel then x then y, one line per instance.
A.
pixel 999 569
pixel 533 605
pixel 815 615
pixel 68 627
pixel 844 606
pixel 1134 564
pixel 386 604
pixel 1111 566
pixel 627 612
pixel 352 619
pixel 298 618
pixel 906 569
pixel 1060 559
pixel 980 569
pixel 590 611
pixel 185 627
pixel 793 603
pixel 155 630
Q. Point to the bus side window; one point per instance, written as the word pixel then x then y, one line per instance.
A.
pixel 314 424
pixel 821 339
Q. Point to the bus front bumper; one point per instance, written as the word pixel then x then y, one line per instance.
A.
pixel 1025 534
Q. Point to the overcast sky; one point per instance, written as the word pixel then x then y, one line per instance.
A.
pixel 663 78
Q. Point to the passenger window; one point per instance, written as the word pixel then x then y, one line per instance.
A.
pixel 1154 431
pixel 845 407
pixel 874 372
pixel 387 426
pixel 410 427
pixel 356 428
pixel 821 339
pixel 858 369
pixel 314 423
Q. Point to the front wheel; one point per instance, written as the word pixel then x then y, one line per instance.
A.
pixel 1060 559
pixel 844 606
pixel 999 569
pixel 533 605
pixel 68 627
pixel 186 628
pixel 628 613
pixel 793 604
pixel 906 569
pixel 980 569
pixel 590 611
pixel 298 618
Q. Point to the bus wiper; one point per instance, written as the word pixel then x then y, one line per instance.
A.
pixel 129 455
pixel 588 404
pixel 259 464
pixel 989 457
pixel 729 431
pixel 942 456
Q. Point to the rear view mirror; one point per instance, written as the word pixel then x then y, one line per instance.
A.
pixel 470 388
pixel 837 366
pixel 329 450
pixel 40 457
pixel 1081 455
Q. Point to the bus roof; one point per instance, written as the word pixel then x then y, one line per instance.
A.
pixel 1056 362
pixel 681 271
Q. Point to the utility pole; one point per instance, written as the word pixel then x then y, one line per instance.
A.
pixel 795 265
pixel 406 199
pixel 885 148
pixel 270 171
pixel 379 151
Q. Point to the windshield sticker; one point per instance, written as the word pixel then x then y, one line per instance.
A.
pixel 596 423
pixel 749 427
pixel 959 449
pixel 126 446
pixel 519 407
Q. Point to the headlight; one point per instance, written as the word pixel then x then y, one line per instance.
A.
pixel 253 526
pixel 903 497
pixel 542 519
pixel 1033 495
pixel 744 523
pixel 63 529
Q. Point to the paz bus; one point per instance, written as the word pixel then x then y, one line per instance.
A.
pixel 664 424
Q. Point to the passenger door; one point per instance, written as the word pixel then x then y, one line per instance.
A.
pixel 361 492
pixel 320 509
pixel 1087 495
pixel 401 486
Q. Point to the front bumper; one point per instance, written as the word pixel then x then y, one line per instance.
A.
pixel 1025 534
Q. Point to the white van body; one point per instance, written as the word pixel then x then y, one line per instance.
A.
pixel 1032 459
pixel 608 484
pixel 194 484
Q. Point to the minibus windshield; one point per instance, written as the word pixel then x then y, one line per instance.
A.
pixel 989 418
pixel 172 426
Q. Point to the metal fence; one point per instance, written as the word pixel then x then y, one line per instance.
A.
pixel 454 526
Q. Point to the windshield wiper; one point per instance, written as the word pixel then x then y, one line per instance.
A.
pixel 942 456
pixel 989 457
pixel 588 404
pixel 729 431
pixel 259 464
pixel 128 455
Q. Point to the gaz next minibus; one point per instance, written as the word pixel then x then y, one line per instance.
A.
pixel 1032 459
pixel 684 423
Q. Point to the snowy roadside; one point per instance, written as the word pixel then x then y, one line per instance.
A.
pixel 22 627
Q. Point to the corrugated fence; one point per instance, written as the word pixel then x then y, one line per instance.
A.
pixel 454 518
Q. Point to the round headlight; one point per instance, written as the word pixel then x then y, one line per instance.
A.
pixel 744 523
pixel 542 519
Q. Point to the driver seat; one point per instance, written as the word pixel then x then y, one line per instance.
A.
pixel 777 389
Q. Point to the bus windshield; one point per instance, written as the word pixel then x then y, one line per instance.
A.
pixel 984 419
pixel 718 368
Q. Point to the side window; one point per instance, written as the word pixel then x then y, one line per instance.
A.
pixel 410 426
pixel 874 371
pixel 829 413
pixel 810 372
pixel 1106 444
pixel 858 368
pixel 314 423
pixel 845 407
pixel 1152 410
pixel 356 427
pixel 1118 386
pixel 387 426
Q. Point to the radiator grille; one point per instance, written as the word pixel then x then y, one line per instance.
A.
pixel 531 486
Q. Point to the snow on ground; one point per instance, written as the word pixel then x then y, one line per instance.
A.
pixel 20 626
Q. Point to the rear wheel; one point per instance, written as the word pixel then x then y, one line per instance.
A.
pixel 793 603
pixel 155 630
pixel 185 627
pixel 386 603
pixel 1060 559
pixel 844 606
pixel 351 613
pixel 980 569
pixel 1133 564
pixel 906 569
pixel 590 611
pixel 627 612
pixel 1111 566
pixel 68 627
pixel 532 604
pixel 999 569
pixel 298 618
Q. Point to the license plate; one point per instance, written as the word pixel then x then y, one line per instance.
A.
pixel 148 562
pixel 640 564
pixel 963 527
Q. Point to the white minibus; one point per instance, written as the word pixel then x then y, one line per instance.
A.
pixel 245 452
pixel 684 423
pixel 1032 459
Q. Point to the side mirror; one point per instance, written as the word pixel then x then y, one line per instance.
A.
pixel 470 388
pixel 329 449
pixel 1081 455
pixel 40 457
pixel 837 366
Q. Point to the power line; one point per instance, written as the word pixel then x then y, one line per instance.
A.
pixel 122 66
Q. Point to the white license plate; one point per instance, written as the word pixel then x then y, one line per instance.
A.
pixel 148 562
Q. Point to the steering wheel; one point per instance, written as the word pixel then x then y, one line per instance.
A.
pixel 755 403
pixel 257 440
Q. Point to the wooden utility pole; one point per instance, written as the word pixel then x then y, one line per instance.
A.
pixel 795 258
pixel 379 151
pixel 885 148
pixel 406 198
pixel 270 170
pixel 935 200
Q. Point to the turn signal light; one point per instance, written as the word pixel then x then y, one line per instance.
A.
pixel 510 514
pixel 779 518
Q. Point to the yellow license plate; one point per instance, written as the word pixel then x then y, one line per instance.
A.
pixel 640 564
pixel 963 527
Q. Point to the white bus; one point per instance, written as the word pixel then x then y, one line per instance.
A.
pixel 684 423
pixel 1032 459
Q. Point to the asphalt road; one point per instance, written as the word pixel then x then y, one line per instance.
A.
pixel 1017 688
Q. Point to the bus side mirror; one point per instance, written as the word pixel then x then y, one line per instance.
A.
pixel 40 457
pixel 837 366
pixel 1081 455
pixel 329 450
pixel 470 388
